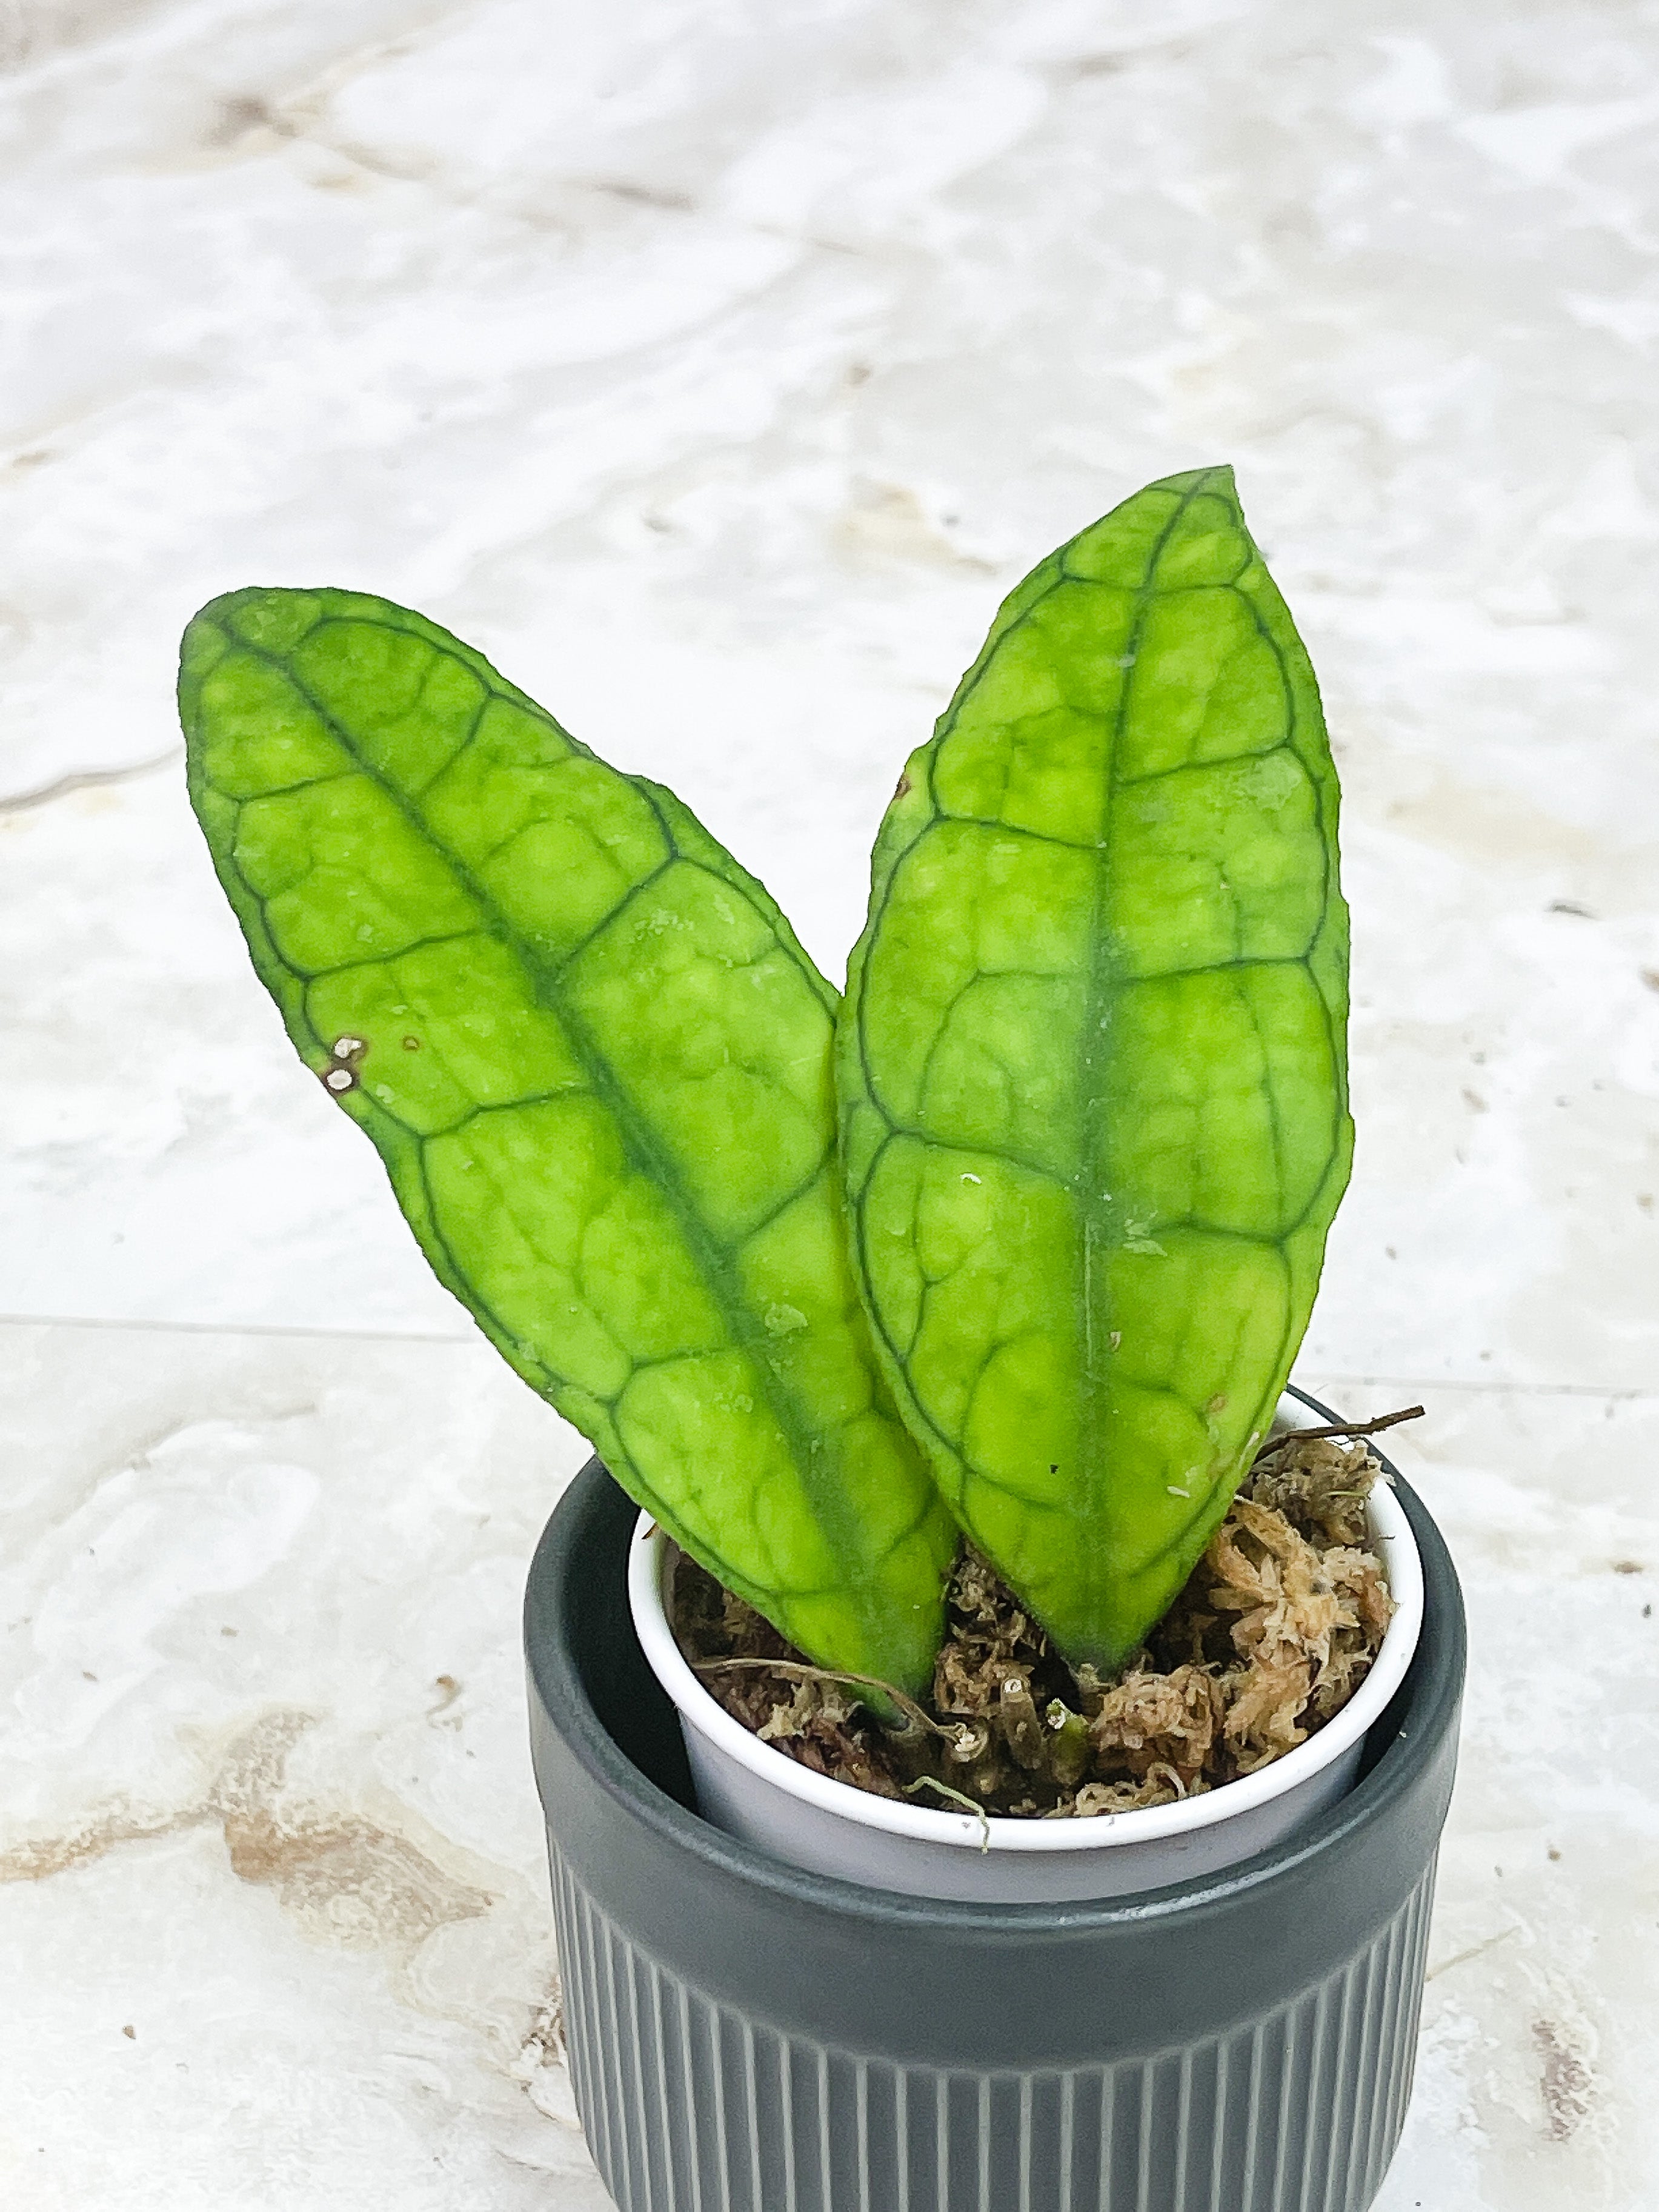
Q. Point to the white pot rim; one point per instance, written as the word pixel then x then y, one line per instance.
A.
pixel 1389 1529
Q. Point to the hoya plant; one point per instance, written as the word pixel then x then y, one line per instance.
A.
pixel 1018 1239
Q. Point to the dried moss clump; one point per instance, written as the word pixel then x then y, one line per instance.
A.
pixel 1274 1631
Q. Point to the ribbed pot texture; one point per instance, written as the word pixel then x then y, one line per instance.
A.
pixel 746 2037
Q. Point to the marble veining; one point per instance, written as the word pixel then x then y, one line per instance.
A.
pixel 715 366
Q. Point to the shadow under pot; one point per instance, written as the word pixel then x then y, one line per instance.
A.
pixel 749 2032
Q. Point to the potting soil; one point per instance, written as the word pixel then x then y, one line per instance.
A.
pixel 1277 1627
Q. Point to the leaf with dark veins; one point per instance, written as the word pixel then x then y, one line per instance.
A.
pixel 1092 1062
pixel 596 1064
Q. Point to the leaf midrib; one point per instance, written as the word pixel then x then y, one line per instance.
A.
pixel 1095 1244
pixel 645 1153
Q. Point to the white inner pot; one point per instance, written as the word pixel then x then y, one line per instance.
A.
pixel 752 1791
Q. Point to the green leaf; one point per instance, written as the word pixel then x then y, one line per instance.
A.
pixel 1092 1059
pixel 597 1065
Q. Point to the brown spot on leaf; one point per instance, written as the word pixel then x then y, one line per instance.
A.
pixel 411 1044
pixel 341 1075
pixel 902 789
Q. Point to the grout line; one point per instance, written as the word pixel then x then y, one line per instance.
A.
pixel 239 1328
pixel 1428 1384
pixel 1322 1376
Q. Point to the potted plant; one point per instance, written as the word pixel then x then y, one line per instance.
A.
pixel 1014 1246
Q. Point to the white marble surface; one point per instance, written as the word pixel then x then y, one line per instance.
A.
pixel 714 364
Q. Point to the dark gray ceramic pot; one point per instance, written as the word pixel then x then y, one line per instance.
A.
pixel 746 2037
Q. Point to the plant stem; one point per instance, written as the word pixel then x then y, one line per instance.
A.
pixel 797 1670
pixel 1342 1429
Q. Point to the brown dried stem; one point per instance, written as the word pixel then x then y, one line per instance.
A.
pixel 1373 1428
pixel 798 1670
